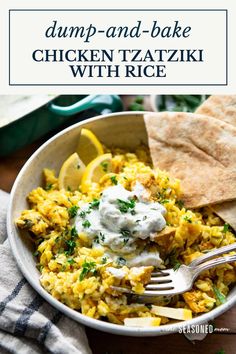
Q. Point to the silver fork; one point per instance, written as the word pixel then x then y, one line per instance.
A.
pixel 171 282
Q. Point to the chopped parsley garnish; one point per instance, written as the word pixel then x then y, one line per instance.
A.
pixel 120 261
pixel 114 180
pixel 72 211
pixel 73 232
pixel 70 244
pixel 188 219
pixel 63 267
pixel 48 186
pixel 101 236
pixel 82 214
pixel 78 166
pixel 36 253
pixel 161 195
pixel 126 240
pixel 28 223
pixel 39 267
pixel 124 206
pixel 86 224
pixel 39 241
pixel 68 188
pixel 104 260
pixel 176 266
pixel 180 203
pixel 87 268
pixel 172 260
pixel 94 204
pixel 70 260
pixel 164 201
pixel 104 165
pixel 125 233
pixel 220 297
pixel 226 228
pixel 70 247
pixel 96 239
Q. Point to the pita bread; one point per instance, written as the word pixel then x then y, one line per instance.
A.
pixel 199 150
pixel 220 107
pixel 223 108
pixel 227 212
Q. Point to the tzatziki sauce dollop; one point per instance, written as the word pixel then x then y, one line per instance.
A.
pixel 120 218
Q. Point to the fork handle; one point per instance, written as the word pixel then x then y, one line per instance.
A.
pixel 211 254
pixel 212 263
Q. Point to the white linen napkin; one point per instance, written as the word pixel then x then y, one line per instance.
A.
pixel 28 324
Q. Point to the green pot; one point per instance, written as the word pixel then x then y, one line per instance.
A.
pixel 24 119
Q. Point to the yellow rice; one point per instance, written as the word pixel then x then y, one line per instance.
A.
pixel 196 232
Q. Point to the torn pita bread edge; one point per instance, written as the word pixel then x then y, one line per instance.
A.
pixel 227 212
pixel 223 187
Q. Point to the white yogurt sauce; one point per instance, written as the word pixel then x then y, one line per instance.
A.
pixel 122 218
pixel 145 258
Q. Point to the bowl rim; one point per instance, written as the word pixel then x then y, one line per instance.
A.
pixel 75 315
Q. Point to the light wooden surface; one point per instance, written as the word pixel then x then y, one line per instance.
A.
pixel 103 343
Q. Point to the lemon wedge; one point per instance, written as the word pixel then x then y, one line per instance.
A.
pixel 95 170
pixel 71 173
pixel 89 147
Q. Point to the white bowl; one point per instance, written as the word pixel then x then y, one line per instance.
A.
pixel 125 129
